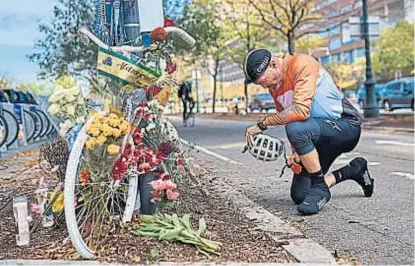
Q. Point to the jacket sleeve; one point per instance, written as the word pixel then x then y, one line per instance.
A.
pixel 304 80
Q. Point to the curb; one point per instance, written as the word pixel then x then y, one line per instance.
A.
pixel 301 248
pixel 72 263
pixel 389 129
pixel 289 238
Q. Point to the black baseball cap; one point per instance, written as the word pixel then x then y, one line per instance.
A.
pixel 256 62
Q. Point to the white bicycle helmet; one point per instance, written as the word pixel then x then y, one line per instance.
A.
pixel 266 148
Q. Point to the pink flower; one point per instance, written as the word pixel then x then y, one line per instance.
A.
pixel 173 196
pixel 180 161
pixel 35 208
pixel 156 196
pixel 147 116
pixel 158 185
pixel 169 185
pixel 171 68
pixel 164 176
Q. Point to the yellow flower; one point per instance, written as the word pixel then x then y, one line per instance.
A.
pixel 107 130
pixel 124 127
pixel 116 132
pixel 113 116
pixel 94 132
pixel 57 206
pixel 90 143
pixel 113 149
pixel 114 122
pixel 97 116
pixel 101 140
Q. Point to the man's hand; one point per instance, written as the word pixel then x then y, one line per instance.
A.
pixel 251 131
pixel 295 163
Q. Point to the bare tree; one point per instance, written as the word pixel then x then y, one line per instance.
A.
pixel 287 17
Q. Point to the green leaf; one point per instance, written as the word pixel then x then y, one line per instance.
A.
pixel 202 226
pixel 150 228
pixel 148 218
pixel 186 221
pixel 171 234
pixel 176 221
pixel 141 233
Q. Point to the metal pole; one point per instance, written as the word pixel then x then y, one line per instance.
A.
pixel 197 93
pixel 371 108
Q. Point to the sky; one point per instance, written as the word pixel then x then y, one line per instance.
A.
pixel 19 20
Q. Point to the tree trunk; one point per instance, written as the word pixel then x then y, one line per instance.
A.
pixel 214 94
pixel 291 42
pixel 215 74
pixel 246 97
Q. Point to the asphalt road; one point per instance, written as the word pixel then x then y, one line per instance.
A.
pixel 376 230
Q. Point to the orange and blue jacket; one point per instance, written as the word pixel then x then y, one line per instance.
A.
pixel 309 91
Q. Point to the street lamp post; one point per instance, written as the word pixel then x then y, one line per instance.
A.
pixel 371 108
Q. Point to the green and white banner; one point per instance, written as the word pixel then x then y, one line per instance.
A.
pixel 123 69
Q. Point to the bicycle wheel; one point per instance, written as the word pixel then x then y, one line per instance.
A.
pixel 45 123
pixel 191 120
pixel 34 121
pixel 92 210
pixel 13 127
pixel 4 130
pixel 30 126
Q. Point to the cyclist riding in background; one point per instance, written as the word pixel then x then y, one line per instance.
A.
pixel 185 94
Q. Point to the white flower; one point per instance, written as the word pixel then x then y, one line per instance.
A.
pixel 80 120
pixel 54 109
pixel 75 91
pixel 70 109
pixel 150 126
pixel 69 97
pixel 56 96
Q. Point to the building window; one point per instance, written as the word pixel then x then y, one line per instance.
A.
pixel 335 43
pixel 360 52
pixel 325 60
pixel 334 29
pixel 349 57
pixel 335 57
pixel 332 14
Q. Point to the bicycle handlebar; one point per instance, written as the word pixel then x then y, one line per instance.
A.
pixel 87 35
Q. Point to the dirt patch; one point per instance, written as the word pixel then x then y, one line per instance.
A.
pixel 241 240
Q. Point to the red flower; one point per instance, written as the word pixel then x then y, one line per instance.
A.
pixel 143 104
pixel 159 34
pixel 165 148
pixel 144 168
pixel 152 91
pixel 171 68
pixel 137 139
pixel 160 156
pixel 168 22
pixel 85 176
pixel 165 176
pixel 147 116
pixel 180 161
pixel 139 112
pixel 119 170
pixel 128 150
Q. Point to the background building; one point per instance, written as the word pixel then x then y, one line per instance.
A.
pixel 335 27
